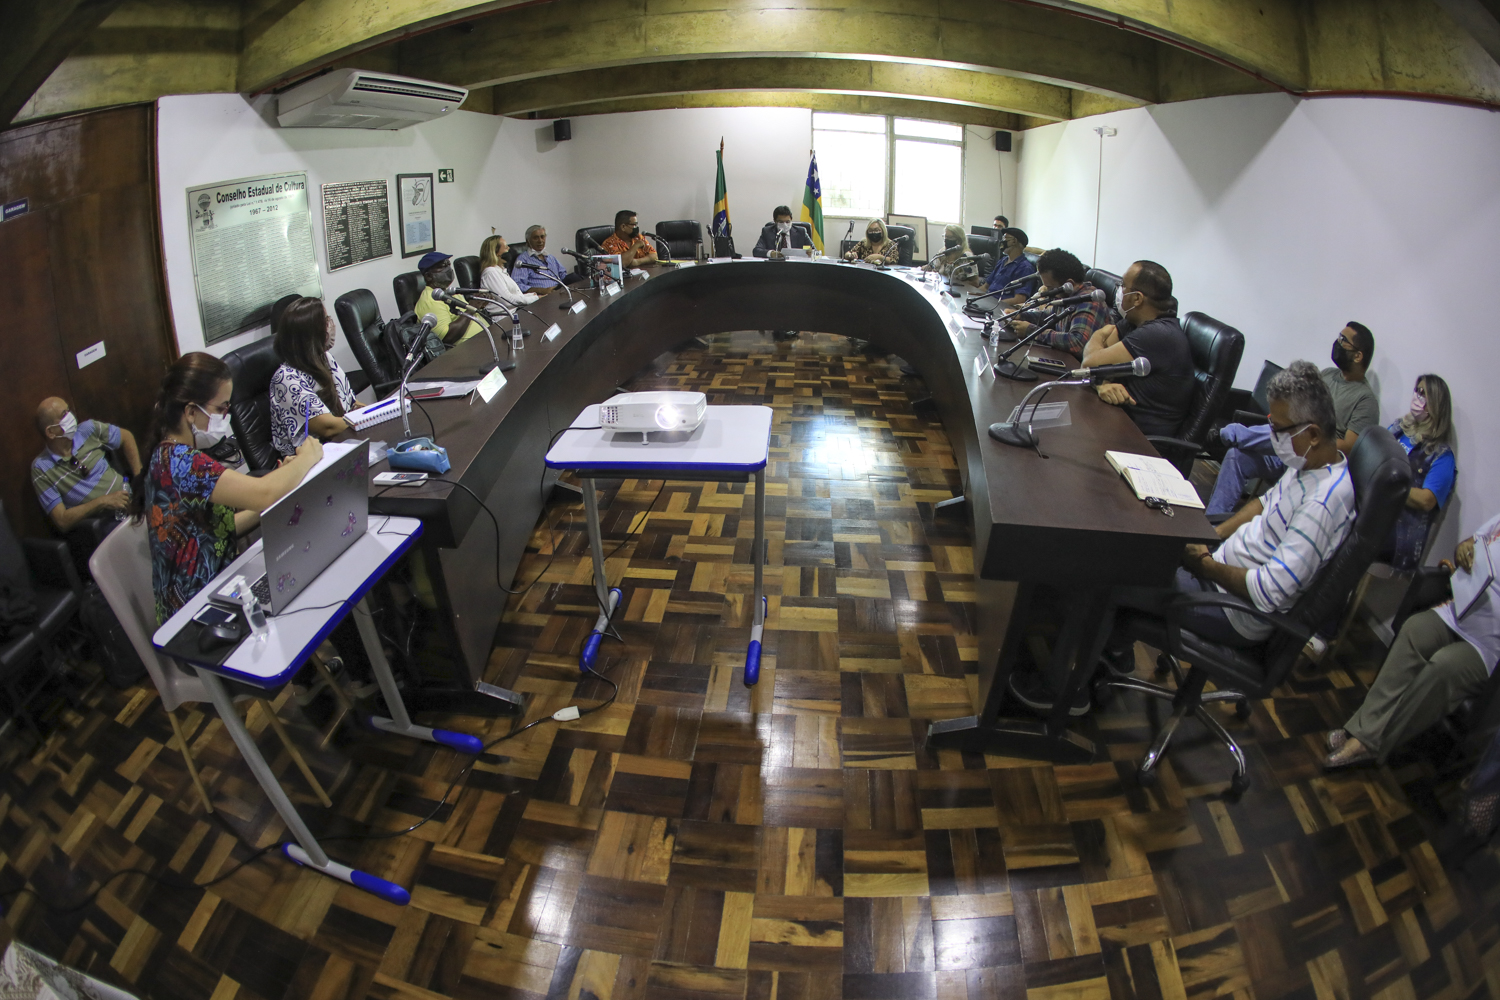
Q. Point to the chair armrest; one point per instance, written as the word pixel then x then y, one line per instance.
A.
pixel 1181 445
pixel 1232 602
pixel 50 563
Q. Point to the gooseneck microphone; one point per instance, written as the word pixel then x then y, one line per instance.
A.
pixel 542 270
pixel 476 315
pixel 409 365
pixel 1020 433
pixel 1138 368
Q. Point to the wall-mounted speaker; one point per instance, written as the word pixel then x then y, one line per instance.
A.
pixel 1002 141
pixel 562 131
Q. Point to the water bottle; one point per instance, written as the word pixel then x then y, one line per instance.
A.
pixel 517 340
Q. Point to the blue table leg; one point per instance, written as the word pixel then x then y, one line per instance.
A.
pixel 607 596
pixel 307 851
pixel 758 557
pixel 400 723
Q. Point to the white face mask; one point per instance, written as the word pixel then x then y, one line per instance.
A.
pixel 1286 450
pixel 783 227
pixel 68 423
pixel 218 429
pixel 1120 299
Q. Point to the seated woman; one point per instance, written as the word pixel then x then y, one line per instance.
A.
pixel 504 293
pixel 876 247
pixel 1442 656
pixel 194 507
pixel 309 392
pixel 955 245
pixel 1424 432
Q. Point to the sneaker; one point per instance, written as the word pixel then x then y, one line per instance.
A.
pixel 1315 648
pixel 1032 691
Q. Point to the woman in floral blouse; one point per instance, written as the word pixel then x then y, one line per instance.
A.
pixel 876 247
pixel 309 392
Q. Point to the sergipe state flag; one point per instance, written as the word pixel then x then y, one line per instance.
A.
pixel 812 204
pixel 720 225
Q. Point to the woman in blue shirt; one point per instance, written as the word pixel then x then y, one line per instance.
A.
pixel 1424 432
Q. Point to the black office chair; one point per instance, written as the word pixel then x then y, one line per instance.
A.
pixel 1216 349
pixel 988 232
pixel 408 288
pixel 983 245
pixel 467 271
pixel 279 307
pixel 359 316
pixel 251 367
pixel 42 567
pixel 1035 258
pixel 1381 475
pixel 906 246
pixel 1105 281
pixel 1250 407
pixel 682 236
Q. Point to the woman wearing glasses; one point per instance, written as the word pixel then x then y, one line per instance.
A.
pixel 194 507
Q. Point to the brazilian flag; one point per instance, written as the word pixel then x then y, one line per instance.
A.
pixel 812 204
pixel 720 225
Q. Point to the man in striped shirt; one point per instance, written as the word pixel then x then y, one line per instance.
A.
pixel 1272 547
pixel 72 476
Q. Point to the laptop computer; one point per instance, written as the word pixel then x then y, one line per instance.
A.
pixel 306 530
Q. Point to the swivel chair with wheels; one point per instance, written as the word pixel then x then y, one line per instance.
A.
pixel 1216 349
pixel 359 316
pixel 251 367
pixel 683 237
pixel 43 567
pixel 1381 476
pixel 408 289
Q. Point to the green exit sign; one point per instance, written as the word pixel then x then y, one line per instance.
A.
pixel 445 176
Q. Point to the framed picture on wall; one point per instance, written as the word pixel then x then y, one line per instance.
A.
pixel 414 210
pixel 918 225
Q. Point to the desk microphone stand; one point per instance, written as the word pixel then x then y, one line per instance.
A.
pixel 1006 368
pixel 1022 434
pixel 477 316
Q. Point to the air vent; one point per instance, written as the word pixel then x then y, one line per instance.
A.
pixel 381 85
pixel 354 98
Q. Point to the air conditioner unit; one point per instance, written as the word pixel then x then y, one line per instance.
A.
pixel 360 98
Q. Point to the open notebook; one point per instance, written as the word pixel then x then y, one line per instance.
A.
pixel 1151 476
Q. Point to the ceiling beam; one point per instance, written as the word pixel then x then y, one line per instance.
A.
pixel 571 36
pixel 848 103
pixel 933 84
pixel 38 35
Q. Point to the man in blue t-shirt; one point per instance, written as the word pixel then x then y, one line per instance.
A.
pixel 1011 267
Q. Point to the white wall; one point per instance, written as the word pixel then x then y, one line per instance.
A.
pixel 219 137
pixel 1288 218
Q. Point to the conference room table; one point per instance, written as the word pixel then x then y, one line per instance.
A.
pixel 1058 516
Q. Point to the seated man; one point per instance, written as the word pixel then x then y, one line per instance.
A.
pixel 1440 658
pixel 634 249
pixel 1273 547
pixel 1158 403
pixel 1011 267
pixel 1075 330
pixel 780 234
pixel 72 476
pixel 537 271
pixel 1354 408
pixel 437 271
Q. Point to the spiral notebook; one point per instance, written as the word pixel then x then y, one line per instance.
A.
pixel 377 413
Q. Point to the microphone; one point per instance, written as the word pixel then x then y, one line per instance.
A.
pixel 408 366
pixel 443 295
pixel 1066 288
pixel 1138 368
pixel 561 284
pixel 1097 297
pixel 664 249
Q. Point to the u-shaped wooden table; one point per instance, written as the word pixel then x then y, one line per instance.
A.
pixel 1059 516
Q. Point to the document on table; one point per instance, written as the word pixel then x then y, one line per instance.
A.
pixel 1151 476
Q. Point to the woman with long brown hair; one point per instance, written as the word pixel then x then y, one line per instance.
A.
pixel 194 507
pixel 1425 431
pixel 309 392
pixel 499 286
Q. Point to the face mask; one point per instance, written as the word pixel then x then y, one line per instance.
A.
pixel 872 235
pixel 1342 356
pixel 1120 299
pixel 1418 406
pixel 783 227
pixel 1282 443
pixel 218 429
pixel 949 242
pixel 68 423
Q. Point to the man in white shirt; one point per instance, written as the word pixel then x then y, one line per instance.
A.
pixel 1442 656
pixel 1273 547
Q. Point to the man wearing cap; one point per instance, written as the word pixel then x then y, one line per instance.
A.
pixel 536 270
pixel 1013 266
pixel 72 476
pixel 437 271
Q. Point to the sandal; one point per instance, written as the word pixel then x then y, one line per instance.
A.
pixel 1336 739
pixel 1337 761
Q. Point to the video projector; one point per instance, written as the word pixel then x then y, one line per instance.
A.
pixel 643 412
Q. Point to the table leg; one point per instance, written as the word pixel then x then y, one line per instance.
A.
pixel 400 722
pixel 608 597
pixel 306 851
pixel 758 557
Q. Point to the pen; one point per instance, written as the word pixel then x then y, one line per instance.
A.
pixel 380 406
pixel 306 417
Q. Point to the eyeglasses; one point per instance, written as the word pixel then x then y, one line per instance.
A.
pixel 1289 432
pixel 219 411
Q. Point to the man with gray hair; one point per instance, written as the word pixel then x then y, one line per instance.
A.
pixel 535 270
pixel 1273 546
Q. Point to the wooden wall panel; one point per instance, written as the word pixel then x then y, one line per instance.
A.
pixel 91 256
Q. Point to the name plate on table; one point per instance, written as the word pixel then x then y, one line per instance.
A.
pixel 611 289
pixel 490 384
pixel 686 263
pixel 553 331
pixel 577 307
pixel 636 272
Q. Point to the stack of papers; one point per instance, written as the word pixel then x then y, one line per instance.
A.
pixel 439 389
pixel 1151 476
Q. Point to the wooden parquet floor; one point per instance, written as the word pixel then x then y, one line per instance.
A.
pixel 696 839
